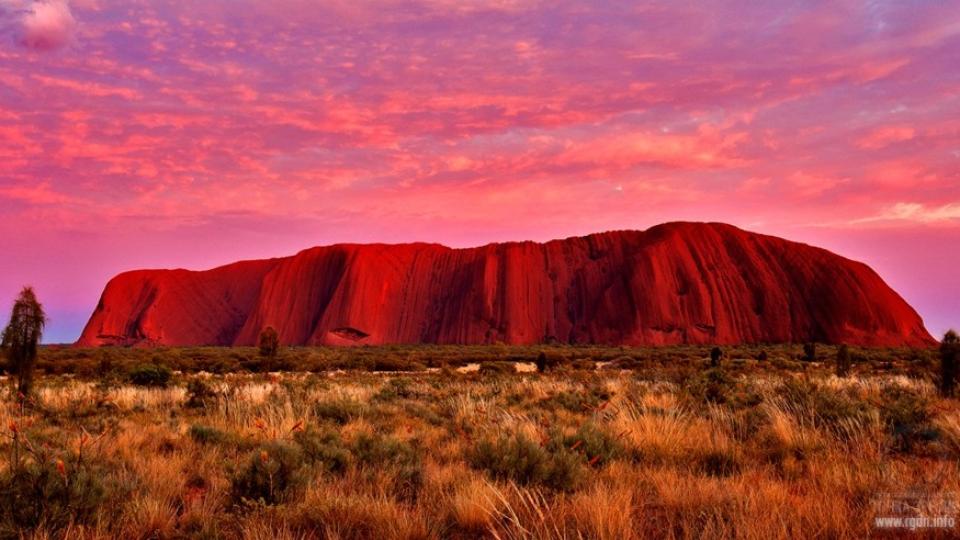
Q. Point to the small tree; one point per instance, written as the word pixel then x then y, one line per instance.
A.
pixel 541 362
pixel 21 337
pixel 715 355
pixel 269 346
pixel 810 352
pixel 949 357
pixel 843 360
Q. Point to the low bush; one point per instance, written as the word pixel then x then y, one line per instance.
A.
pixel 271 472
pixel 398 388
pixel 596 446
pixel 831 409
pixel 908 417
pixel 711 386
pixel 381 450
pixel 53 494
pixel 157 375
pixel 584 364
pixel 625 362
pixel 547 361
pixel 576 402
pixel 377 452
pixel 497 368
pixel 393 363
pixel 199 394
pixel 324 448
pixel 339 411
pixel 521 460
pixel 719 463
pixel 208 435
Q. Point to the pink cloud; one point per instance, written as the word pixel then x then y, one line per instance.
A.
pixel 886 135
pixel 86 88
pixel 47 25
pixel 35 194
pixel 916 213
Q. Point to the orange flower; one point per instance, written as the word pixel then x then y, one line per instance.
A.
pixel 264 457
pixel 13 427
pixel 61 468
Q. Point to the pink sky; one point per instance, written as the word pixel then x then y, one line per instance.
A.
pixel 191 134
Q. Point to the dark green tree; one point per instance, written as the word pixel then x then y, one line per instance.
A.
pixel 843 360
pixel 541 362
pixel 22 336
pixel 715 355
pixel 269 345
pixel 949 357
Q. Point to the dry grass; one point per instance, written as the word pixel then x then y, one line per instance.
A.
pixel 764 454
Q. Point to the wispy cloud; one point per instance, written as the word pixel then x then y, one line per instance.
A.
pixel 916 213
pixel 886 135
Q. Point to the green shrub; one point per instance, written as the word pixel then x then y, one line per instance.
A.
pixel 830 409
pixel 394 363
pixel 372 449
pixel 624 362
pixel 716 354
pixel 584 364
pixel 720 463
pixel 270 473
pixel 541 362
pixel 207 435
pixel 595 445
pixel 843 361
pixel 377 452
pixel 339 411
pixel 546 361
pixel 834 409
pixel 497 368
pixel 157 375
pixel 711 386
pixel 324 448
pixel 398 388
pixel 907 416
pixel 949 362
pixel 521 460
pixel 34 494
pixel 199 394
pixel 576 402
pixel 268 343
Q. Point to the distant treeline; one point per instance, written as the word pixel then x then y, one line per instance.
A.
pixel 101 362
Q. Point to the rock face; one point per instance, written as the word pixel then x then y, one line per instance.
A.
pixel 674 283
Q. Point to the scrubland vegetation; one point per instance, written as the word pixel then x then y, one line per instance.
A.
pixel 604 443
